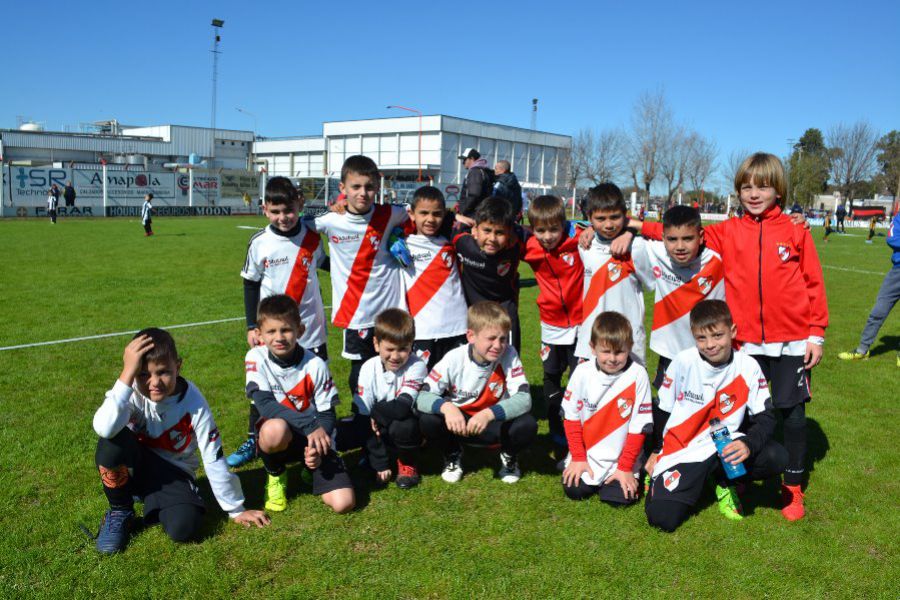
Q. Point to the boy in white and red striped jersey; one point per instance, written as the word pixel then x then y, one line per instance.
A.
pixel 608 415
pixel 610 282
pixel 365 277
pixel 282 259
pixel 681 271
pixel 709 381
pixel 433 288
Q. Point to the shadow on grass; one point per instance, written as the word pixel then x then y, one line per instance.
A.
pixel 887 343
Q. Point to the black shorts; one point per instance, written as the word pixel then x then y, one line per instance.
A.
pixel 331 474
pixel 359 344
pixel 320 351
pixel 610 493
pixel 161 484
pixel 683 482
pixel 556 358
pixel 788 378
pixel 661 371
pixel 432 351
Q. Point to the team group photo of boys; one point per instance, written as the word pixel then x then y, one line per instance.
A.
pixel 432 356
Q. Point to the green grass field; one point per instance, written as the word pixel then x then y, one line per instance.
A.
pixel 478 538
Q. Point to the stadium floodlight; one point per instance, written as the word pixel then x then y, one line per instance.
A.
pixel 218 22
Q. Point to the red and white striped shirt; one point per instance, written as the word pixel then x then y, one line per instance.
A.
pixel 677 290
pixel 365 278
pixel 434 292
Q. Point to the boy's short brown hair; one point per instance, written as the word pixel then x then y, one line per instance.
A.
pixel 547 211
pixel 762 168
pixel 280 191
pixel 360 165
pixel 281 307
pixel 427 192
pixel 613 330
pixel 706 314
pixel 396 326
pixel 680 215
pixel 605 197
pixel 495 210
pixel 487 314
pixel 163 350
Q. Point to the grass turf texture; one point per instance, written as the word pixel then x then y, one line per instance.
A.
pixel 477 538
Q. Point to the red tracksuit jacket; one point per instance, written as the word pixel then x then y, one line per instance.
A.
pixel 560 278
pixel 773 279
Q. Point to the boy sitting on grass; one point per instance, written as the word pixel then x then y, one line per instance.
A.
pixel 479 394
pixel 151 425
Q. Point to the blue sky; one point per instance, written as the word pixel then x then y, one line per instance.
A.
pixel 749 75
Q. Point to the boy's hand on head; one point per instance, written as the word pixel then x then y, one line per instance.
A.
pixel 813 355
pixel 311 458
pixel 736 452
pixel 253 517
pixel 627 481
pixel 585 239
pixel 133 356
pixel 479 422
pixel 253 338
pixel 799 219
pixel 453 417
pixel 572 474
pixel 465 220
pixel 319 441
pixel 621 245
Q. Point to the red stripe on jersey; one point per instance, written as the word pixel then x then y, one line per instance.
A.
pixel 681 300
pixel 300 396
pixel 296 285
pixel 613 271
pixel 362 265
pixel 609 418
pixel 490 395
pixel 431 279
pixel 174 439
pixel 731 397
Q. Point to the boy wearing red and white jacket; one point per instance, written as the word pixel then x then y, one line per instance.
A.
pixel 553 256
pixel 478 394
pixel 681 271
pixel 433 288
pixel 365 277
pixel 709 381
pixel 771 263
pixel 151 425
pixel 608 416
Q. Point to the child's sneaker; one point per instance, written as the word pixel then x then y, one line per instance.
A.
pixel 407 475
pixel 509 470
pixel 792 502
pixel 452 472
pixel 115 530
pixel 729 503
pixel 244 454
pixel 276 492
pixel 853 355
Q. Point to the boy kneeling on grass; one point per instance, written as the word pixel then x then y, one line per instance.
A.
pixel 478 394
pixel 151 425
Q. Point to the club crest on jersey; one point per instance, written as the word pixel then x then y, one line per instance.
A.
pixel 503 268
pixel 359 390
pixel 545 352
pixel 704 284
pixel 447 259
pixel 624 405
pixel 375 241
pixel 304 262
pixel 425 355
pixel 657 272
pixel 784 252
pixel 615 271
pixel 213 435
pixel 667 382
pixel 726 402
pixel 568 259
pixel 496 388
pixel 301 403
pixel 671 479
pixel 362 333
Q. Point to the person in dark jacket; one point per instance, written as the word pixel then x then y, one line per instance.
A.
pixel 507 186
pixel 69 194
pixel 478 185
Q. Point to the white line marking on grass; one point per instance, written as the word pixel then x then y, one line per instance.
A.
pixel 120 333
pixel 839 269
pixel 248 227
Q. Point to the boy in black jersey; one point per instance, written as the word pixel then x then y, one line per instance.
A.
pixel 489 260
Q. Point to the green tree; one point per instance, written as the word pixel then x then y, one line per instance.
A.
pixel 808 167
pixel 888 158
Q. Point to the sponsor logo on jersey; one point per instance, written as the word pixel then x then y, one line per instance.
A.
pixel 667 382
pixel 434 376
pixel 213 435
pixel 249 366
pixel 645 408
pixel 762 382
pixel 567 395
pixel 328 385
pixel 568 259
pixel 784 251
pixel 579 405
pixel 516 371
pixel 679 397
pixel 503 268
pixel 615 270
pixel 411 384
pixel 657 272
pixel 624 405
pixel 375 241
pixel 268 263
pixel 359 390
pixel 692 397
pixel 704 284
pixel 340 239
pixel 726 403
pixel 671 479
pixel 447 258
pixel 545 352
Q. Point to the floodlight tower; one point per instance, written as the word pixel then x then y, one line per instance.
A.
pixel 217 24
pixel 534 102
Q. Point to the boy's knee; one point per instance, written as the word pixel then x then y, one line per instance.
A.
pixel 181 522
pixel 274 436
pixel 664 515
pixel 405 434
pixel 340 501
pixel 577 492
pixel 525 427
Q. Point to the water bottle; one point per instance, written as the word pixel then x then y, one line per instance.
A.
pixel 721 438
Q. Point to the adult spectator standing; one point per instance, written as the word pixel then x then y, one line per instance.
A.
pixel 69 194
pixel 507 186
pixel 840 214
pixel 478 185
